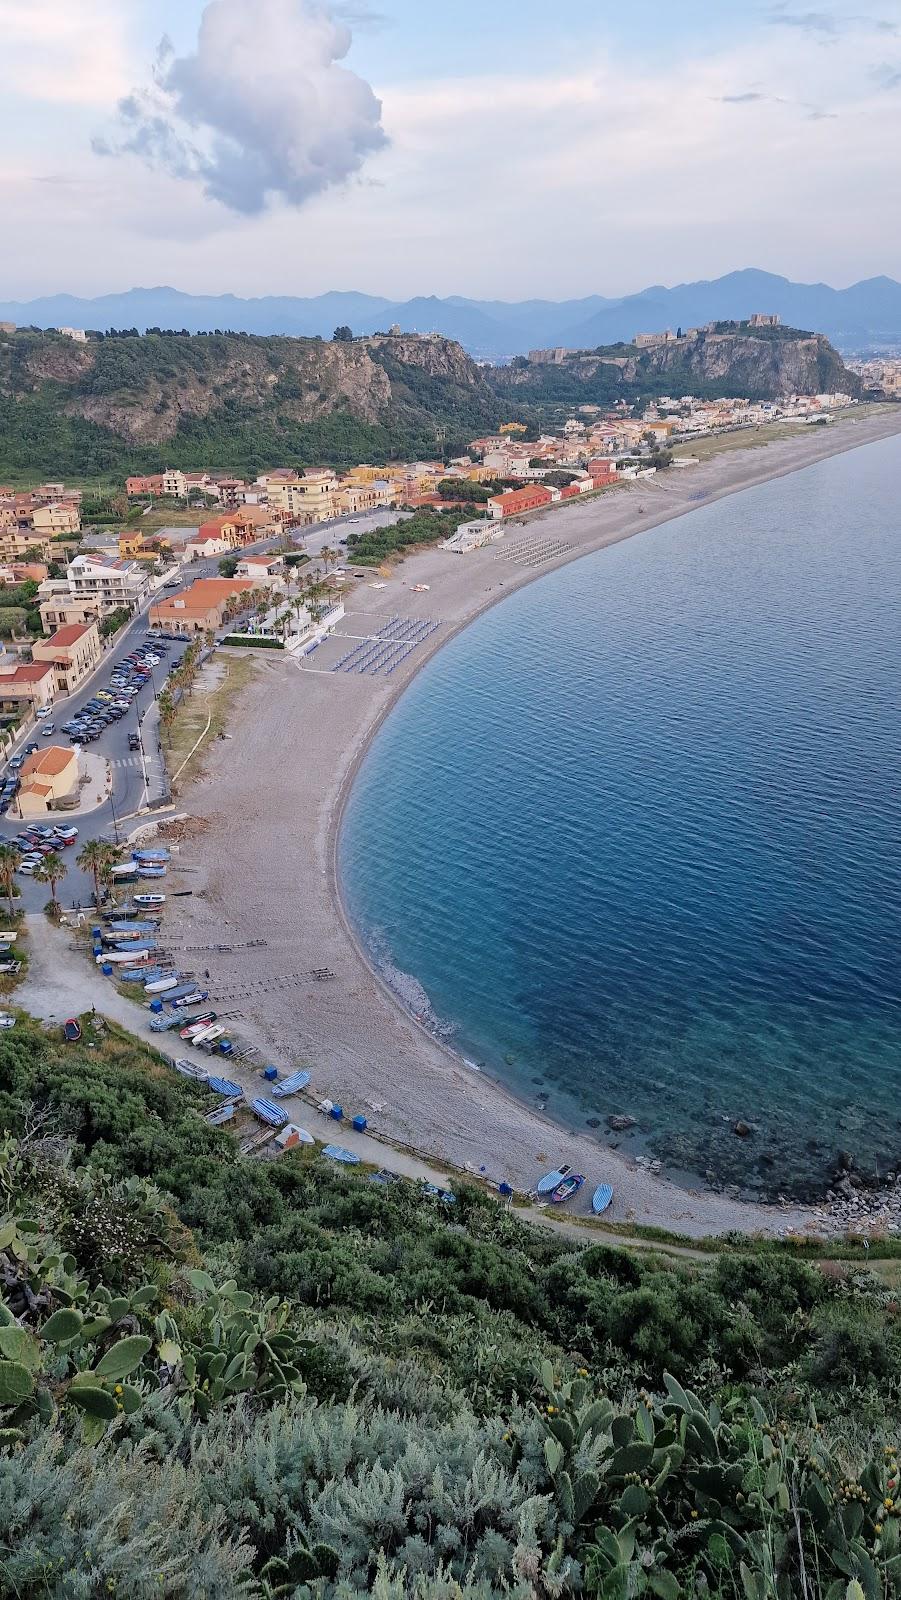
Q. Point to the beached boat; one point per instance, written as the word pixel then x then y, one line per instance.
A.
pixel 336 1152
pixel 151 872
pixel 195 998
pixel 551 1180
pixel 72 1030
pixel 117 958
pixel 292 1085
pixel 601 1198
pixel 163 985
pixel 150 856
pixel 566 1189
pixel 150 899
pixel 188 1070
pixel 225 1087
pixel 273 1116
pixel 221 1115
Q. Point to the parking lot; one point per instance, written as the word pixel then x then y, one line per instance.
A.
pixel 106 717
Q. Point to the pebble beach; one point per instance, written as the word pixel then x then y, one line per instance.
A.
pixel 261 864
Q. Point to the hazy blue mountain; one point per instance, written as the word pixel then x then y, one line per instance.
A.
pixel 866 313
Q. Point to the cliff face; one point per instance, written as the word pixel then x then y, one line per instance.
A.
pixel 766 366
pixel 759 367
pixel 143 390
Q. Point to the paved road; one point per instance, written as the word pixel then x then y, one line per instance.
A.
pixel 138 776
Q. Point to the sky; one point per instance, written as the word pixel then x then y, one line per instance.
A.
pixel 504 150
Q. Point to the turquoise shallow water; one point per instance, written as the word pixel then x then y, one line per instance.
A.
pixel 637 833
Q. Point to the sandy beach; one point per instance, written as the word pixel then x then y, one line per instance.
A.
pixel 264 867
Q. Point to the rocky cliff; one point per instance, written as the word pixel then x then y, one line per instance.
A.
pixel 765 364
pixel 143 390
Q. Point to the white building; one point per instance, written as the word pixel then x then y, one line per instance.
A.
pixel 111 582
pixel 471 536
pixel 78 334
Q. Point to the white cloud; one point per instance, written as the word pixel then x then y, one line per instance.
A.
pixel 262 110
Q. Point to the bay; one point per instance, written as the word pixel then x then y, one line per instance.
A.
pixel 636 832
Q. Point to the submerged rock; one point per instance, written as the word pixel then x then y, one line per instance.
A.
pixel 619 1124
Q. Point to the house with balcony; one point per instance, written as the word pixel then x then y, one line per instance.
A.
pixel 113 583
pixel 74 651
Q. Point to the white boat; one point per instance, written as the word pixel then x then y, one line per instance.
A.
pixel 188 1070
pixel 160 985
pixel 150 899
pixel 124 958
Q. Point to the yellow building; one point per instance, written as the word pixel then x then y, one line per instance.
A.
pixel 48 778
pixel 74 651
pixel 316 497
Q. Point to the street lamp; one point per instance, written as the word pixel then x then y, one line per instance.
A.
pixel 115 818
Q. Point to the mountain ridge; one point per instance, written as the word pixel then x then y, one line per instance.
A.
pixel 865 313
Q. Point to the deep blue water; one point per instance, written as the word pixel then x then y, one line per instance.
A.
pixel 637 832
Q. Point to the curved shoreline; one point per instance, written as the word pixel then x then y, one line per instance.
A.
pixel 648 1198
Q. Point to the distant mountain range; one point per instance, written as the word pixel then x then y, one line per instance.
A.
pixel 866 315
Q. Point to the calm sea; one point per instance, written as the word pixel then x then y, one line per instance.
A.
pixel 637 834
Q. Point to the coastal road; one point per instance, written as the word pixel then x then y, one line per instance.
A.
pixel 138 776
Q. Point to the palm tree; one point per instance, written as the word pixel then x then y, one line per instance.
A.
pixel 166 707
pixel 97 857
pixel 51 870
pixel 9 861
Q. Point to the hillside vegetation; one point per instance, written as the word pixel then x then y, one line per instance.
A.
pixel 229 401
pixel 224 1377
pixel 236 402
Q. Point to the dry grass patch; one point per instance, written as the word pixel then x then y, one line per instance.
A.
pixel 218 686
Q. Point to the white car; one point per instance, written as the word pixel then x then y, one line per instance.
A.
pixel 43 711
pixel 27 869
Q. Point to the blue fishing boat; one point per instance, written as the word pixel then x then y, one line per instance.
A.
pixel 224 1086
pixel 336 1152
pixel 273 1116
pixel 550 1180
pixel 292 1085
pixel 566 1189
pixel 601 1198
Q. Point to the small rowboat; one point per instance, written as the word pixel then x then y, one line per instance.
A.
pixel 601 1198
pixel 551 1180
pixel 336 1152
pixel 72 1030
pixel 566 1189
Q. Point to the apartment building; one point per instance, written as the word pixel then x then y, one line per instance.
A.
pixel 113 583
pixel 316 497
pixel 26 686
pixel 57 516
pixel 74 650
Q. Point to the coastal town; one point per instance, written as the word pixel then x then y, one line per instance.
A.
pixel 450 828
pixel 271 574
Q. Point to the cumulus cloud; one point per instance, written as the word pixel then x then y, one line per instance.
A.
pixel 262 110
